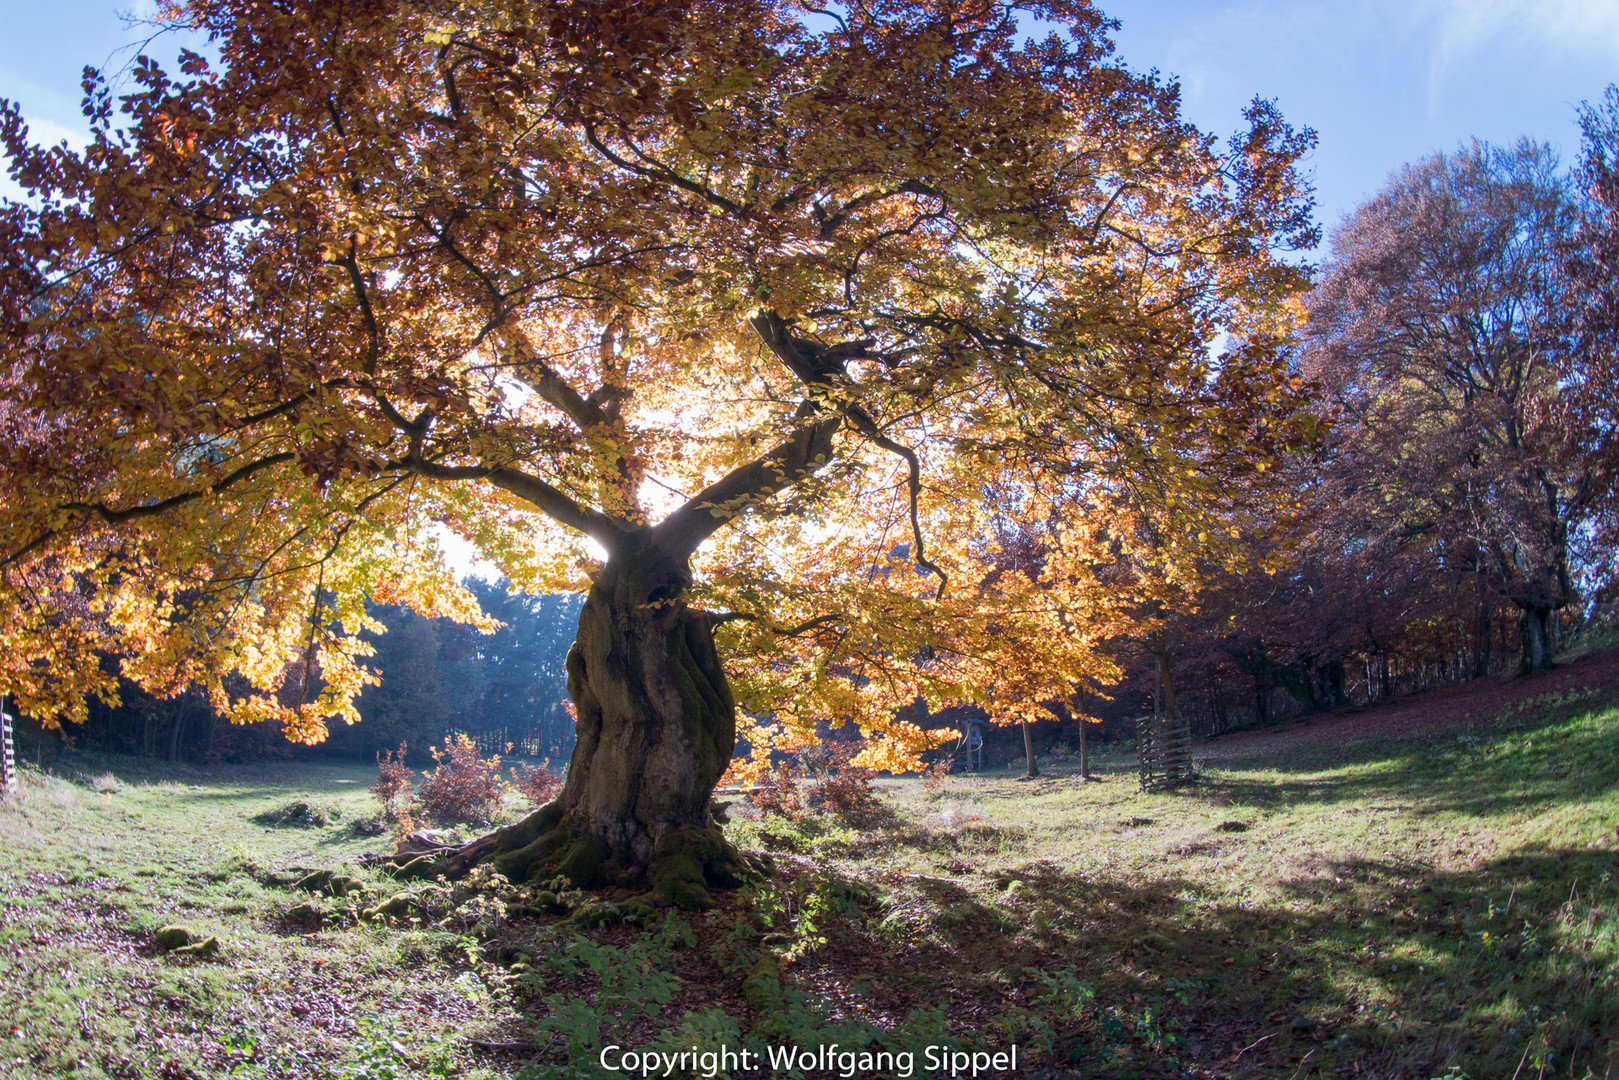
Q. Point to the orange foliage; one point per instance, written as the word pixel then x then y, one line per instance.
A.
pixel 825 311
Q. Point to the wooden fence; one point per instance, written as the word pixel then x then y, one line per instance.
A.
pixel 1164 750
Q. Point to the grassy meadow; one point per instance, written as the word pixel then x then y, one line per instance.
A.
pixel 1437 905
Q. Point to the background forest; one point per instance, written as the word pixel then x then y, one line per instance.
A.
pixel 506 690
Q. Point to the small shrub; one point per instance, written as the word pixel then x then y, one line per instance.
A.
pixel 935 776
pixel 393 779
pixel 843 789
pixel 463 787
pixel 778 791
pixel 539 786
pixel 106 784
pixel 298 815
pixel 375 825
pixel 823 779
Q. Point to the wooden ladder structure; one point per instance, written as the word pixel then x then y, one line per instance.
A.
pixel 8 754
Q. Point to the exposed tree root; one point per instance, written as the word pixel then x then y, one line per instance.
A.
pixel 686 863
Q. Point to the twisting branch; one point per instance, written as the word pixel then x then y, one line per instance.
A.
pixel 868 427
pixel 658 170
pixel 822 368
pixel 373 350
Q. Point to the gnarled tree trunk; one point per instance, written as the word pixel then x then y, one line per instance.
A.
pixel 656 723
pixel 656 727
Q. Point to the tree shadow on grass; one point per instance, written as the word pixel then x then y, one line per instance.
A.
pixel 1362 967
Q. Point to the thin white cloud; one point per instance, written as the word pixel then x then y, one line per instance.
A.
pixel 1466 28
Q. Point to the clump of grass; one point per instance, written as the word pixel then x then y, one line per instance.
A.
pixel 104 784
pixel 299 814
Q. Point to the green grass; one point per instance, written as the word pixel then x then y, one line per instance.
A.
pixel 1412 907
pixel 1418 909
pixel 90 867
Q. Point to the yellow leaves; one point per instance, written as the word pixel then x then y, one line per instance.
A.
pixel 899 747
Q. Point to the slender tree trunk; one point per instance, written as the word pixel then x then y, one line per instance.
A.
pixel 656 727
pixel 1028 751
pixel 1173 734
pixel 179 722
pixel 1166 680
pixel 1084 751
pixel 1537 644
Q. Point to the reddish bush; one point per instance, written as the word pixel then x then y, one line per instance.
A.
pixel 842 788
pixel 539 786
pixel 464 787
pixel 393 779
pixel 777 790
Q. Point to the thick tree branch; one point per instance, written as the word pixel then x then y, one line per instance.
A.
pixel 531 489
pixel 115 516
pixel 553 389
pixel 724 500
pixel 595 415
pixel 720 618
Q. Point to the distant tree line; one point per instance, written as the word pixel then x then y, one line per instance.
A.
pixel 506 690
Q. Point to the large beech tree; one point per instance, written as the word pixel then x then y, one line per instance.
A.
pixel 1592 263
pixel 726 311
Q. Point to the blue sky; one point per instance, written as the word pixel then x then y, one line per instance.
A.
pixel 1383 81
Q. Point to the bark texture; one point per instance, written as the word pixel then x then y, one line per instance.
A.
pixel 1537 643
